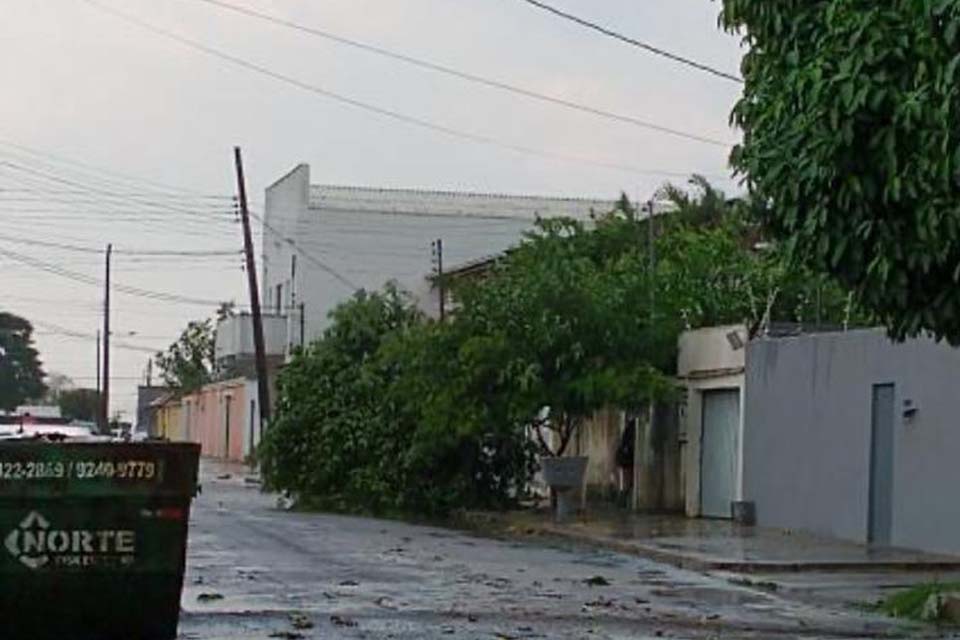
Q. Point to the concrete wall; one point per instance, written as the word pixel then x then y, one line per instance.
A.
pixel 235 336
pixel 371 236
pixel 657 466
pixel 252 430
pixel 169 421
pixel 599 438
pixel 807 445
pixel 706 361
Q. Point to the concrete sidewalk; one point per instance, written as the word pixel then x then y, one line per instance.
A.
pixel 715 545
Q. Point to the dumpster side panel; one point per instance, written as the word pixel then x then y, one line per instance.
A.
pixel 93 557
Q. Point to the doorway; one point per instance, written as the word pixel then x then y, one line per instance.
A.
pixel 719 452
pixel 880 508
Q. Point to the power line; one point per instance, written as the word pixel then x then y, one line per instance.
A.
pixel 129 252
pixel 70 333
pixel 119 179
pixel 633 41
pixel 463 75
pixel 98 191
pixel 109 207
pixel 85 279
pixel 388 113
pixel 25 194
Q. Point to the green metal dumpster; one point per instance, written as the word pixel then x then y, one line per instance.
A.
pixel 93 538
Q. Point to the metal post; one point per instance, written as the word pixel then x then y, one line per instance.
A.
pixel 263 389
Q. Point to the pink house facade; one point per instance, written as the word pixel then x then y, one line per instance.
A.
pixel 223 418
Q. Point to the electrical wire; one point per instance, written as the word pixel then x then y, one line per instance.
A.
pixel 94 190
pixel 70 333
pixel 192 223
pixel 387 113
pixel 120 250
pixel 118 179
pixel 464 75
pixel 633 41
pixel 90 280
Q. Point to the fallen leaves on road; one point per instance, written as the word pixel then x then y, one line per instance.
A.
pixel 600 602
pixel 340 621
pixel 287 635
pixel 209 597
pixel 300 621
pixel 597 581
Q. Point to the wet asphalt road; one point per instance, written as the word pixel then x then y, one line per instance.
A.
pixel 256 571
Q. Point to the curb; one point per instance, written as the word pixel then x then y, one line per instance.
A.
pixel 503 525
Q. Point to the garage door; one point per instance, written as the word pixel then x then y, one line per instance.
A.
pixel 719 453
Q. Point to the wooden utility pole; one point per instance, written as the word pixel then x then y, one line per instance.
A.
pixel 105 384
pixel 98 367
pixel 303 324
pixel 441 287
pixel 263 387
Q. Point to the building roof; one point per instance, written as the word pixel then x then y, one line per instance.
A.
pixel 163 399
pixel 451 203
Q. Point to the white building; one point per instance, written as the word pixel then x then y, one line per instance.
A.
pixel 322 243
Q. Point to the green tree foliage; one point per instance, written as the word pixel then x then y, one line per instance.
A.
pixel 187 364
pixel 350 430
pixel 79 404
pixel 555 334
pixel 714 266
pixel 851 135
pixel 21 372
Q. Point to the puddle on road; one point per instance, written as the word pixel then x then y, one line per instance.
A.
pixel 706 596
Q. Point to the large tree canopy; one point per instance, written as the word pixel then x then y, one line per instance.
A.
pixel 851 134
pixel 21 373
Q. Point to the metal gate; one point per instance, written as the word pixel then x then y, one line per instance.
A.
pixel 719 452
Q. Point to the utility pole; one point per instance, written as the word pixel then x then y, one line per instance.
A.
pixel 263 388
pixel 437 251
pixel 98 365
pixel 645 465
pixel 652 251
pixel 105 391
pixel 303 324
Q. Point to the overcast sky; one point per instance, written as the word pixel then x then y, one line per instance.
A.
pixel 82 84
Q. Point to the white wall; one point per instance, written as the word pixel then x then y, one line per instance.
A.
pixel 807 448
pixel 706 361
pixel 371 236
pixel 251 393
pixel 235 336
